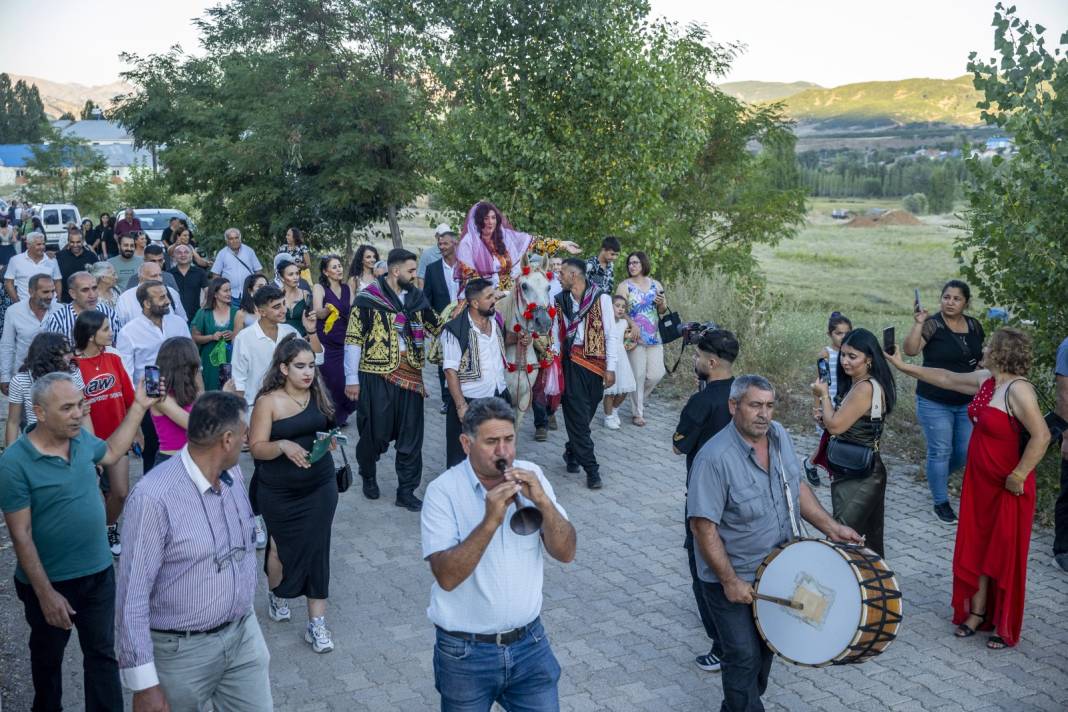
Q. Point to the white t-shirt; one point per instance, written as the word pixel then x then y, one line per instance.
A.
pixel 236 268
pixel 253 351
pixel 20 268
pixel 21 387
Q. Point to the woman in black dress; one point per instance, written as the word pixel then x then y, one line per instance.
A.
pixel 296 497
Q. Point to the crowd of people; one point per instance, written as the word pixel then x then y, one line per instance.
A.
pixel 265 361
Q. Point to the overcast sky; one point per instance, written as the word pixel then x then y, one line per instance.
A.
pixel 829 42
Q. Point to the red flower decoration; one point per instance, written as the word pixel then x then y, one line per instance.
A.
pixel 526 270
pixel 545 364
pixel 517 328
pixel 531 306
pixel 511 368
pixel 528 315
pixel 552 312
pixel 530 368
pixel 549 276
pixel 534 334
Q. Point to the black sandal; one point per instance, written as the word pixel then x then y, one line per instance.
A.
pixel 996 642
pixel 964 631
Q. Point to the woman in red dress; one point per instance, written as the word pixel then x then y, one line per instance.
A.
pixel 997 503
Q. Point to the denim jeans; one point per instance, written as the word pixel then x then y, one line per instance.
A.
pixel 521 677
pixel 1060 513
pixel 541 415
pixel 746 657
pixel 947 430
pixel 93 599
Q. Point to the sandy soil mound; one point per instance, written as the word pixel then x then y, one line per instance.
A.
pixel 890 217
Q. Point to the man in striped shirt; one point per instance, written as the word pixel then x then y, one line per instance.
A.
pixel 84 297
pixel 186 629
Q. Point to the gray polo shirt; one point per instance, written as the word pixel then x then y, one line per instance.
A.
pixel 747 504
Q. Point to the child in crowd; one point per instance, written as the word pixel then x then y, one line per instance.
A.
pixel 624 331
pixel 838 327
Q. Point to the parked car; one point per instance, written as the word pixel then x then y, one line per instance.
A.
pixel 56 218
pixel 155 220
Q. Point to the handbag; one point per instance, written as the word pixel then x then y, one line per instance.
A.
pixel 1055 423
pixel 344 474
pixel 850 460
pixel 668 326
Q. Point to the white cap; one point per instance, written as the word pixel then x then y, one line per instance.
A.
pixel 444 229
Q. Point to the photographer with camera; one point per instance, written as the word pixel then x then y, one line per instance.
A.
pixel 645 303
pixel 706 413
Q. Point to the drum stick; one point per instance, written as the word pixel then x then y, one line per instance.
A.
pixel 796 605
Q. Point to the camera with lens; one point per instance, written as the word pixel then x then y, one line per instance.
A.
pixel 692 331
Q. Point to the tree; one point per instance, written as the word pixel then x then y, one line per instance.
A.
pixel 146 187
pixel 67 116
pixel 943 190
pixel 298 113
pixel 1015 247
pixel 89 111
pixel 917 203
pixel 22 116
pixel 67 169
pixel 583 119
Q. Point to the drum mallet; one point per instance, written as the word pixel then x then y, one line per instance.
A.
pixel 796 605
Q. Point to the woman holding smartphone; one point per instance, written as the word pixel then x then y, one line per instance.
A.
pixel 214 324
pixel 866 395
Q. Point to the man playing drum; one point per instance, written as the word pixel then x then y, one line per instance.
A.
pixel 745 491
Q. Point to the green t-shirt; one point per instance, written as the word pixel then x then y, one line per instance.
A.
pixel 69 524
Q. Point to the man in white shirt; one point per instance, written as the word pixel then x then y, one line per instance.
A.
pixel 235 262
pixel 589 356
pixel 487 590
pixel 128 305
pixel 23 266
pixel 472 349
pixel 22 321
pixel 254 345
pixel 138 345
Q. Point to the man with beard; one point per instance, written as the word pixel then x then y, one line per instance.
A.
pixel 84 296
pixel 441 287
pixel 126 263
pixel 138 345
pixel 73 258
pixel 384 355
pixel 706 413
pixel 472 350
pixel 583 322
pixel 22 322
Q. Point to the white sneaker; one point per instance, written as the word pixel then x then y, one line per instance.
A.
pixel 612 421
pixel 261 534
pixel 319 637
pixel 277 608
pixel 114 542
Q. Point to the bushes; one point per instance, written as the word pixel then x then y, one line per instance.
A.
pixel 916 203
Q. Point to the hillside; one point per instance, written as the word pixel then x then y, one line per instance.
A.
pixel 885 104
pixel 758 92
pixel 59 97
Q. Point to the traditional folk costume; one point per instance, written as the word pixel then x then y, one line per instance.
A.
pixel 476 258
pixel 479 363
pixel 384 352
pixel 583 330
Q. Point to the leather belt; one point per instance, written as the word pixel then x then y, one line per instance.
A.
pixel 505 638
pixel 189 633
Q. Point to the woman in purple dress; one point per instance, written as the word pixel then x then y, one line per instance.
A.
pixel 332 301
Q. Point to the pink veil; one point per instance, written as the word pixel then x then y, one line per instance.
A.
pixel 473 253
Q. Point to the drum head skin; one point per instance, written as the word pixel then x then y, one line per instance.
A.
pixel 815 574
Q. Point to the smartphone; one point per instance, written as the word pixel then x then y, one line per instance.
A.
pixel 152 381
pixel 889 344
pixel 916 301
pixel 226 370
pixel 823 368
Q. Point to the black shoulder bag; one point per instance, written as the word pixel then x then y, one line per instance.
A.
pixel 849 460
pixel 1056 424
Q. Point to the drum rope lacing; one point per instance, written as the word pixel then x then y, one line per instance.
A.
pixel 877 629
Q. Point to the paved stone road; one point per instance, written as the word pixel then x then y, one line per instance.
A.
pixel 621 617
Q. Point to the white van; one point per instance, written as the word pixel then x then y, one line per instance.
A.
pixel 56 218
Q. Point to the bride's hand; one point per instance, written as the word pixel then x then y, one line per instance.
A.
pixel 570 247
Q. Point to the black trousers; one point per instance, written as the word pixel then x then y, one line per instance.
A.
pixel 151 449
pixel 703 608
pixel 583 393
pixel 93 599
pixel 746 657
pixel 454 450
pixel 1060 513
pixel 541 414
pixel 387 413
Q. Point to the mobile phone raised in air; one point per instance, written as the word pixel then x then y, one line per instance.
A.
pixel 916 300
pixel 888 340
pixel 823 368
pixel 152 381
pixel 226 370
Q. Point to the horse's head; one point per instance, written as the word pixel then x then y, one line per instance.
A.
pixel 532 299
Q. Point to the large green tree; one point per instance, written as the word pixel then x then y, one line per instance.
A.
pixel 581 119
pixel 67 169
pixel 1015 246
pixel 298 113
pixel 22 115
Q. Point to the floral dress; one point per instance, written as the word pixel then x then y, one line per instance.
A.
pixel 642 309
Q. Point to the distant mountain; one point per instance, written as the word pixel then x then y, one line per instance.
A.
pixel 759 92
pixel 887 104
pixel 59 97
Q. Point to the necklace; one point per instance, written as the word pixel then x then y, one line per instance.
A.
pixel 302 405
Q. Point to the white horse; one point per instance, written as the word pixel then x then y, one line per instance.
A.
pixel 527 307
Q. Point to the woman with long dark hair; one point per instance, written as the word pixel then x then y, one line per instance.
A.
pixel 109 393
pixel 297 300
pixel 179 371
pixel 216 322
pixel 103 240
pixel 298 252
pixel 866 395
pixel 332 302
pixel 951 340
pixel 297 497
pixel 362 269
pixel 49 352
pixel 250 315
pixel 997 498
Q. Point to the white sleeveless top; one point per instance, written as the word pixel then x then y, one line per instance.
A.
pixel 832 363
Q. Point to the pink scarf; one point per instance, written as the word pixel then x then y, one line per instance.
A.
pixel 473 253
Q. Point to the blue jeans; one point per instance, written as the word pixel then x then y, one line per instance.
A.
pixel 746 657
pixel 472 676
pixel 947 430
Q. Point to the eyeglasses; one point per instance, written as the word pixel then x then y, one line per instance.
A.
pixel 234 553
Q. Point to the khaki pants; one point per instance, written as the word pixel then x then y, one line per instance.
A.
pixel 647 363
pixel 228 668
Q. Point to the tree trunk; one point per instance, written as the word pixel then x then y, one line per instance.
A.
pixel 394 226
